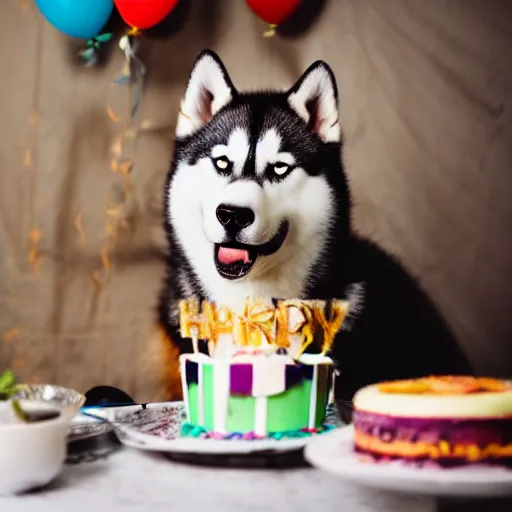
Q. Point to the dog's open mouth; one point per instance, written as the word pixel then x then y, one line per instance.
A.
pixel 235 260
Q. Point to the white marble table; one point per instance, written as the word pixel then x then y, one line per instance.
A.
pixel 133 480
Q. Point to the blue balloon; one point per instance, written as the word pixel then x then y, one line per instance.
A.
pixel 77 18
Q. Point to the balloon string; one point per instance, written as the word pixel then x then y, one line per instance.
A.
pixel 271 31
pixel 134 31
pixel 132 75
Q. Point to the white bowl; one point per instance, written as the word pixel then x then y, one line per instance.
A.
pixel 31 454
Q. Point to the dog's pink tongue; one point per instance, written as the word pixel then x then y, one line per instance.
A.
pixel 228 255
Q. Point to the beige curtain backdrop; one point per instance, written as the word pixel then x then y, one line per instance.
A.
pixel 425 99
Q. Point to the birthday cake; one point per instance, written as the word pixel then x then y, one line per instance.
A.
pixel 257 380
pixel 446 420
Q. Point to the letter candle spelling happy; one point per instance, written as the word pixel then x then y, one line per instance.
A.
pixel 260 326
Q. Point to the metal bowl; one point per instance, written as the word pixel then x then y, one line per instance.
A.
pixel 68 401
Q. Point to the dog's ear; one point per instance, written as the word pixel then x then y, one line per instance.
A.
pixel 209 89
pixel 315 98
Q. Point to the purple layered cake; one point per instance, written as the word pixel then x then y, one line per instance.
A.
pixel 448 420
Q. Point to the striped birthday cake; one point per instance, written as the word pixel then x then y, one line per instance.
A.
pixel 257 393
pixel 257 380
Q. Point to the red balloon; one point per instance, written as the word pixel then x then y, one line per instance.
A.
pixel 144 14
pixel 274 11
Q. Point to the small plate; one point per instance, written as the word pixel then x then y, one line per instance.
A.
pixel 84 427
pixel 334 452
pixel 158 428
pixel 94 421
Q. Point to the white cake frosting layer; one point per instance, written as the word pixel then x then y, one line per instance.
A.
pixel 268 376
pixel 477 405
pixel 221 394
pixel 199 357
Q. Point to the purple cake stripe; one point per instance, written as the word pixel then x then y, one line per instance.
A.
pixel 432 430
pixel 191 372
pixel 307 371
pixel 240 380
pixel 295 374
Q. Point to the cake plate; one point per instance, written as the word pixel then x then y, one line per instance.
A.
pixel 157 428
pixel 334 452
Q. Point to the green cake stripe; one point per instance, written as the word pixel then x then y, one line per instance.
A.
pixel 240 414
pixel 289 410
pixel 193 403
pixel 208 397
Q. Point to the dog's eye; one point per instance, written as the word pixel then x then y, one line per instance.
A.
pixel 281 168
pixel 222 164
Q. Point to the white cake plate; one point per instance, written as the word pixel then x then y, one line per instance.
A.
pixel 158 428
pixel 197 446
pixel 334 452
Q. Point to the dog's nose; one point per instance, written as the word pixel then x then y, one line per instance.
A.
pixel 234 217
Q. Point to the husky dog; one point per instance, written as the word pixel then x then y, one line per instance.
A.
pixel 257 205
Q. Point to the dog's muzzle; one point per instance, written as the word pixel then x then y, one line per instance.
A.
pixel 233 259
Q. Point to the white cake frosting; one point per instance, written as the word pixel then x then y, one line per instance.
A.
pixel 473 405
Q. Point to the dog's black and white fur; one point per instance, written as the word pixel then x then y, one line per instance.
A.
pixel 257 204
